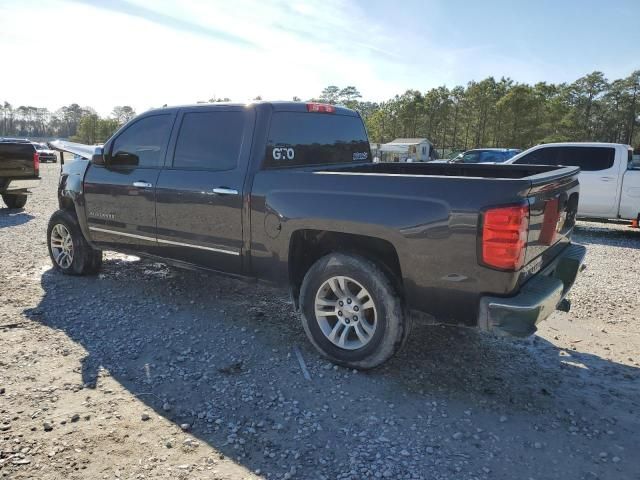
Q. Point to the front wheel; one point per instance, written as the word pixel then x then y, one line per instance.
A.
pixel 69 251
pixel 351 312
pixel 13 200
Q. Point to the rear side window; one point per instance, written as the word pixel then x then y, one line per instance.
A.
pixel 589 159
pixel 209 140
pixel 147 139
pixel 298 138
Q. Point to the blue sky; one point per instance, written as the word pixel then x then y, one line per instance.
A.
pixel 149 52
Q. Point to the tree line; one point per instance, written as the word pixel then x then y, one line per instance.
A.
pixel 486 113
pixel 81 124
pixel 504 113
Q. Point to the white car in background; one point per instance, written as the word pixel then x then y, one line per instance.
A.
pixel 609 178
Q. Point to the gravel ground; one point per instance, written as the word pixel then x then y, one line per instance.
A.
pixel 150 372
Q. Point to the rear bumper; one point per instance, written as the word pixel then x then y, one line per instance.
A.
pixel 20 184
pixel 538 298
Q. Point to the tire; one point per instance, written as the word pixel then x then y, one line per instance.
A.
pixel 387 326
pixel 71 254
pixel 13 200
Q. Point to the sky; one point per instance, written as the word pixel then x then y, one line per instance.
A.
pixel 146 53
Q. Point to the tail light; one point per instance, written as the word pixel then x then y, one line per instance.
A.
pixel 550 222
pixel 320 108
pixel 504 237
pixel 36 163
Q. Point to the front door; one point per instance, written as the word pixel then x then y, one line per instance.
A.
pixel 199 194
pixel 120 196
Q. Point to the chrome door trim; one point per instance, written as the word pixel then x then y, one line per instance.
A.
pixel 124 234
pixel 225 191
pixel 167 242
pixel 201 247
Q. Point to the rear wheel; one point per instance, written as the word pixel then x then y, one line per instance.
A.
pixel 69 251
pixel 13 200
pixel 351 312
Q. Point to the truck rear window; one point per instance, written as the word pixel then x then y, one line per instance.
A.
pixel 297 139
pixel 16 150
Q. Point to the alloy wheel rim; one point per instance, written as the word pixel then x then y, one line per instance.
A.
pixel 61 246
pixel 346 313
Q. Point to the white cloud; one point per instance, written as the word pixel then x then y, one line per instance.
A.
pixel 146 53
pixel 104 57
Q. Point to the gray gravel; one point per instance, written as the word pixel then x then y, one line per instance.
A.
pixel 150 372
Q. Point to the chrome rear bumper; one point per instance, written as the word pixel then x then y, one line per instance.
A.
pixel 538 298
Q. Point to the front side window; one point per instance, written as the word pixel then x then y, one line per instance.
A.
pixel 298 138
pixel 209 140
pixel 143 143
pixel 471 157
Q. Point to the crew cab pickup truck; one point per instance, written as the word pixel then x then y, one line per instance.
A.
pixel 19 170
pixel 609 179
pixel 287 193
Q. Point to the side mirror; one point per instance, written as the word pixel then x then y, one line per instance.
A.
pixel 122 158
pixel 98 157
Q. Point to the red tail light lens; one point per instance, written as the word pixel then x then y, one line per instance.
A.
pixel 550 222
pixel 504 237
pixel 320 108
pixel 36 162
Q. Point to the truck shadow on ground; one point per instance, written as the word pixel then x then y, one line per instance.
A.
pixel 12 217
pixel 217 354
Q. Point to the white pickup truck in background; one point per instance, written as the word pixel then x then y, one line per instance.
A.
pixel 609 179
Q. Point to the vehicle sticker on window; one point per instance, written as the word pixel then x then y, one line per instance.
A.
pixel 360 155
pixel 283 153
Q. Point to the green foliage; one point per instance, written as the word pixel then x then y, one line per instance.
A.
pixel 81 124
pixel 92 129
pixel 503 113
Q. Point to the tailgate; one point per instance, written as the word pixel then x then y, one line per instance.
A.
pixel 553 205
pixel 16 160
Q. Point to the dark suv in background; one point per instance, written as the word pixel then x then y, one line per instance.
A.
pixel 19 170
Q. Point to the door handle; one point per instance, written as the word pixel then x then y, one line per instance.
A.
pixel 225 191
pixel 606 179
pixel 142 184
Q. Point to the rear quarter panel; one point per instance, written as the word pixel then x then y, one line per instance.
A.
pixel 432 222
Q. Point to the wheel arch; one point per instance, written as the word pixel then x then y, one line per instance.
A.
pixel 308 245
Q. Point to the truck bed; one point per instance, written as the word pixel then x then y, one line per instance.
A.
pixel 452 170
pixel 430 213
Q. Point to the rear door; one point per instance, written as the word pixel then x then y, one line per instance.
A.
pixel 120 196
pixel 599 175
pixel 599 179
pixel 200 192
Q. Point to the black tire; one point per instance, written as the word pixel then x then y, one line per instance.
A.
pixel 14 200
pixel 86 260
pixel 392 328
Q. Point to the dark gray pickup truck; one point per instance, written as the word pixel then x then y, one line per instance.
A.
pixel 286 192
pixel 19 170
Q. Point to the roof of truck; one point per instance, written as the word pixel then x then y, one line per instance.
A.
pixel 286 106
